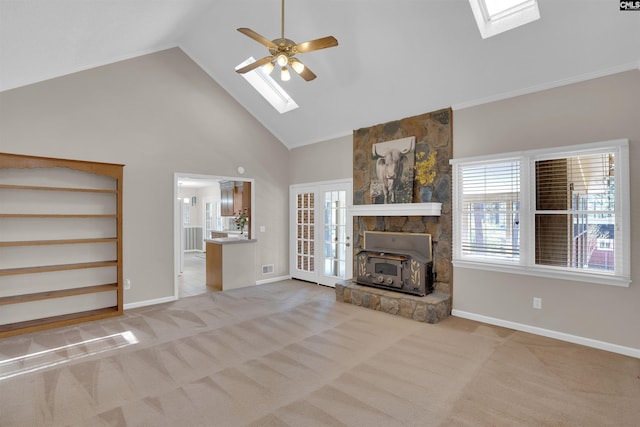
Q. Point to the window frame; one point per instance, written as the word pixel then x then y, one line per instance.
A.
pixel 621 275
pixel 490 25
pixel 461 209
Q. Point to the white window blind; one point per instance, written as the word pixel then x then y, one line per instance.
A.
pixel 561 212
pixel 575 209
pixel 490 209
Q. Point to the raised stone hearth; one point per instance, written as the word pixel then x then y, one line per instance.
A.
pixel 430 309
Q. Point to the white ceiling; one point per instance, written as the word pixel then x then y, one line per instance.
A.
pixel 396 58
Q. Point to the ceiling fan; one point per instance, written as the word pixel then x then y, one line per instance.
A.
pixel 283 52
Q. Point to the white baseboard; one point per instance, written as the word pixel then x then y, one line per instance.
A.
pixel 588 342
pixel 149 302
pixel 173 298
pixel 272 279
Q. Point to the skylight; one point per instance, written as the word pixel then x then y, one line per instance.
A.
pixel 497 16
pixel 268 88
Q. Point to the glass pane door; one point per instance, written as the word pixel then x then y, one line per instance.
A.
pixel 321 249
pixel 335 235
pixel 305 235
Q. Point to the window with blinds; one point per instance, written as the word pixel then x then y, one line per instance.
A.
pixel 490 210
pixel 561 212
pixel 576 212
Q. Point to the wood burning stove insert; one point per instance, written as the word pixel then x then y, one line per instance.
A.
pixel 396 261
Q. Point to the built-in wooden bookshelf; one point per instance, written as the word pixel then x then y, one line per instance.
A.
pixel 60 242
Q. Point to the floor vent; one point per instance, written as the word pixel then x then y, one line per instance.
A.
pixel 267 269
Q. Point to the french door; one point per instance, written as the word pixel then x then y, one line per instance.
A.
pixel 321 230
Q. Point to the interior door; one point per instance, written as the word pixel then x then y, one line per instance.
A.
pixel 321 230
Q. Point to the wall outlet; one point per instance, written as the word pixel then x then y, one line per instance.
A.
pixel 537 303
pixel 127 284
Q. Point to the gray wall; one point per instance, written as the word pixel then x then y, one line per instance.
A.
pixel 158 114
pixel 597 110
pixel 324 161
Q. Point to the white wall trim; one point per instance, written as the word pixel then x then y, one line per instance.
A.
pixel 545 271
pixel 588 342
pixel 539 88
pixel 272 279
pixel 149 302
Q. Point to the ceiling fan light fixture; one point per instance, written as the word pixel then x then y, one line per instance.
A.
pixel 282 59
pixel 297 66
pixel 283 50
pixel 268 67
pixel 285 75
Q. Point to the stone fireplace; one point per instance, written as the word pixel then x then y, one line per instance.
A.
pixel 432 132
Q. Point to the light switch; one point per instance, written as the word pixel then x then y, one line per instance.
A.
pixel 263 228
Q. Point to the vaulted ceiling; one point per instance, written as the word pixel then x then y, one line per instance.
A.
pixel 396 58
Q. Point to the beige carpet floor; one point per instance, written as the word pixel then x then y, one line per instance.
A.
pixel 287 354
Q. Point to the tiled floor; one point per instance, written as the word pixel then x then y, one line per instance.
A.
pixel 192 281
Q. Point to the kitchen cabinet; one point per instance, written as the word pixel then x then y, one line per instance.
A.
pixel 227 189
pixel 230 263
pixel 234 196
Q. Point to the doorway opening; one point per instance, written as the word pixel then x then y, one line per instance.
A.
pixel 201 212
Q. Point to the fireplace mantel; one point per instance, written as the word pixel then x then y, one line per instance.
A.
pixel 396 209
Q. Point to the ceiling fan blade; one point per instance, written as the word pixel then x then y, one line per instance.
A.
pixel 257 37
pixel 316 44
pixel 306 73
pixel 254 65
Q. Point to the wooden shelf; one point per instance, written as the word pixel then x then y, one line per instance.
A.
pixel 58 242
pixel 44 188
pixel 17 299
pixel 61 267
pixel 17 328
pixel 44 215
pixel 76 197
